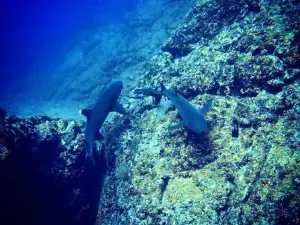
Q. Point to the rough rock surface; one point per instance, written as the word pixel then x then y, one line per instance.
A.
pixel 45 179
pixel 204 21
pixel 245 169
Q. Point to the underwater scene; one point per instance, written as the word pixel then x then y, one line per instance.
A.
pixel 150 112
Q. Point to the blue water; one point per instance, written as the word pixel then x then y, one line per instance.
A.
pixel 58 54
pixel 35 34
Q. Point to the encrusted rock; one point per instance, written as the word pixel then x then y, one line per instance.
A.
pixel 203 22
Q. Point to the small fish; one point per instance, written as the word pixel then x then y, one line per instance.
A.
pixel 106 103
pixel 192 118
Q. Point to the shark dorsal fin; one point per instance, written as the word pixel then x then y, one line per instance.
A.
pixel 86 112
pixel 206 107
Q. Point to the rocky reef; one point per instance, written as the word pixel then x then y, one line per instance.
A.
pixel 245 169
pixel 45 178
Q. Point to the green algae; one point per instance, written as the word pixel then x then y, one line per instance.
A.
pixel 217 178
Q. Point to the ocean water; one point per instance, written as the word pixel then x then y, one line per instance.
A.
pixel 51 48
pixel 231 67
pixel 37 38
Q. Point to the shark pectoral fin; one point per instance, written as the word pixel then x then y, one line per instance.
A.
pixel 177 126
pixel 119 109
pixel 157 99
pixel 98 136
pixel 86 112
pixel 206 107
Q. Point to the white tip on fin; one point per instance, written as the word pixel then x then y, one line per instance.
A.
pixel 86 112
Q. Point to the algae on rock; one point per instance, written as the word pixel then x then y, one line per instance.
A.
pixel 245 168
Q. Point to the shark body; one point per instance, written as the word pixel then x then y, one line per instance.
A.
pixel 192 118
pixel 106 103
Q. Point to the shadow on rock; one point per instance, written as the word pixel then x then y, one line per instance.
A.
pixel 44 179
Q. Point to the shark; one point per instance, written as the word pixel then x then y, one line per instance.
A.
pixel 107 102
pixel 150 92
pixel 192 118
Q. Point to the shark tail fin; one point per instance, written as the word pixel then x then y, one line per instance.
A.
pixel 157 95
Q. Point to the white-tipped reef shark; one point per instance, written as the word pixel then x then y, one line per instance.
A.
pixel 192 118
pixel 106 103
